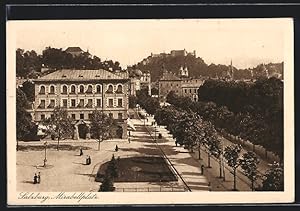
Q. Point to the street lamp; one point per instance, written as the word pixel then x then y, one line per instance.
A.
pixel 45 159
pixel 129 136
pixel 154 130
pixel 99 141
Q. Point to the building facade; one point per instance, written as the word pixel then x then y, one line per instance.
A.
pixel 168 82
pixel 81 92
pixel 145 82
pixel 182 85
pixel 190 88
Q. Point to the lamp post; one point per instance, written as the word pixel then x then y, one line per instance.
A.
pixel 129 136
pixel 99 141
pixel 155 131
pixel 45 159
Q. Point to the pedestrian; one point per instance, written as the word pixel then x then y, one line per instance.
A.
pixel 87 160
pixel 39 178
pixel 202 169
pixel 35 179
pixel 90 160
pixel 80 152
pixel 117 148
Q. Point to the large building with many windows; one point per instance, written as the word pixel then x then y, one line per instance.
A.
pixel 81 92
pixel 181 84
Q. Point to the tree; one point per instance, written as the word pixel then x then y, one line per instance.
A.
pixel 232 155
pixel 249 164
pixel 60 123
pixel 132 101
pixel 107 184
pixel 214 146
pixel 24 124
pixel 154 91
pixel 112 168
pixel 100 126
pixel 28 89
pixel 273 180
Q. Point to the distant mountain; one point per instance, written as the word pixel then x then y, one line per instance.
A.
pixel 197 67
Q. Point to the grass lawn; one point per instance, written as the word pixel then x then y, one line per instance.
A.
pixel 140 169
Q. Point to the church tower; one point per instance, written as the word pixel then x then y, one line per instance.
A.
pixel 183 71
pixel 229 75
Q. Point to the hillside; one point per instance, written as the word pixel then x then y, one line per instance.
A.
pixel 197 67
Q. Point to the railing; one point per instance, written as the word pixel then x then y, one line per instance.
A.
pixel 152 189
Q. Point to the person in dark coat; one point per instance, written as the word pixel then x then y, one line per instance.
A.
pixel 39 178
pixel 90 160
pixel 80 151
pixel 35 179
pixel 87 160
pixel 117 148
pixel 202 169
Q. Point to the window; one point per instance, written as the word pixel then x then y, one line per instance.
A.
pixel 190 90
pixel 111 115
pixel 195 90
pixel 98 89
pixel 98 103
pixel 42 104
pixel 89 89
pixel 52 104
pixel 73 102
pixel 90 103
pixel 73 89
pixel 120 116
pixel 110 102
pixel 73 116
pixel 120 102
pixel 65 103
pixel 90 116
pixel 81 89
pixel 119 89
pixel 110 89
pixel 185 91
pixel 81 116
pixel 51 89
pixel 42 90
pixel 81 103
pixel 65 89
pixel 51 116
pixel 42 116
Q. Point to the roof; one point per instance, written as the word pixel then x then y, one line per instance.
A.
pixel 168 76
pixel 82 75
pixel 74 49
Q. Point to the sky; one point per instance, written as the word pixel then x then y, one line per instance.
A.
pixel 247 42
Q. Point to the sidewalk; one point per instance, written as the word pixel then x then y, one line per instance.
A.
pixel 217 184
pixel 187 167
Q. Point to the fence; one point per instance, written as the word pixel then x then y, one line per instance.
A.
pixel 259 150
pixel 152 189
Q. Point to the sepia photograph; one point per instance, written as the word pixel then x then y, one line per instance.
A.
pixel 150 111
